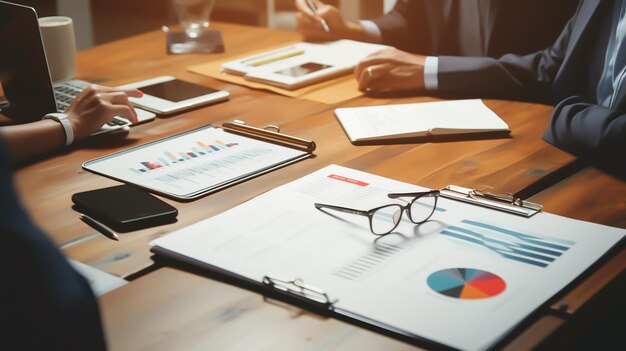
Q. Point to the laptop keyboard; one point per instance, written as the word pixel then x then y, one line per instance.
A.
pixel 65 93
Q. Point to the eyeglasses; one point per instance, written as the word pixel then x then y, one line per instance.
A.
pixel 384 219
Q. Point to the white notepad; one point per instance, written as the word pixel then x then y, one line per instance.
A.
pixel 390 122
pixel 302 64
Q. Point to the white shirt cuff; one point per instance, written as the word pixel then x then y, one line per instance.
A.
pixel 372 31
pixel 431 66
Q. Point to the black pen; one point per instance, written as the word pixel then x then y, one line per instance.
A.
pixel 99 227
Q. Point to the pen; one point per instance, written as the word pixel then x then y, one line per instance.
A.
pixel 314 9
pixel 263 61
pixel 99 227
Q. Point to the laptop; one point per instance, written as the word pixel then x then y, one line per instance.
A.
pixel 29 93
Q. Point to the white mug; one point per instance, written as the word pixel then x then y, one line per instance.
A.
pixel 57 33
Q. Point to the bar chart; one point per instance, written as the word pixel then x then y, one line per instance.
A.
pixel 169 158
pixel 194 163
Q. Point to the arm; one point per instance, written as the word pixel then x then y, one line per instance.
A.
pixel 94 107
pixel 407 26
pixel 308 23
pixel 593 132
pixel 528 77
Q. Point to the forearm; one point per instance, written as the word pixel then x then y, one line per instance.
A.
pixel 588 130
pixel 28 140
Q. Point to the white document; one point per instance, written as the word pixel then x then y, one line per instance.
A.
pixel 194 163
pixel 419 120
pixel 99 281
pixel 302 64
pixel 464 279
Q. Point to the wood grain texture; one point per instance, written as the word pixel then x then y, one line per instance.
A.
pixel 175 310
pixel 593 196
pixel 170 309
pixel 504 165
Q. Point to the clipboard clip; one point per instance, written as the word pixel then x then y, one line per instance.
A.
pixel 502 202
pixel 301 290
pixel 270 133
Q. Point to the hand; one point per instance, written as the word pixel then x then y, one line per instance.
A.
pixel 310 26
pixel 390 70
pixel 97 105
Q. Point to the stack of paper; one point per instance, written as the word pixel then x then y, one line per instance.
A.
pixel 302 64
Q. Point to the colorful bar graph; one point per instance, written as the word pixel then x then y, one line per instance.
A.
pixel 170 158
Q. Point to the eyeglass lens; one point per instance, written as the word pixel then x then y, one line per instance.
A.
pixel 386 218
pixel 422 208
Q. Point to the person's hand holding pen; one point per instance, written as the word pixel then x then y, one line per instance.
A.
pixel 318 21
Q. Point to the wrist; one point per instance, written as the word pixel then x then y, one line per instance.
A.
pixel 356 31
pixel 66 124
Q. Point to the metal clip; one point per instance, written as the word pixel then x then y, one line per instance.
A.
pixel 298 287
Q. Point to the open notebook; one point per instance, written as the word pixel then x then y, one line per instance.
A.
pixel 406 121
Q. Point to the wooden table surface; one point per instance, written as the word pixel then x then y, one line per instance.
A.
pixel 168 308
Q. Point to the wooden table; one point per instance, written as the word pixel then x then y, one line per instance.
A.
pixel 167 308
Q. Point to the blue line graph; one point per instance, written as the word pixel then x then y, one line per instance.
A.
pixel 534 250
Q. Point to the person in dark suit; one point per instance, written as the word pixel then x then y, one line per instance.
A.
pixel 582 74
pixel 448 27
pixel 44 303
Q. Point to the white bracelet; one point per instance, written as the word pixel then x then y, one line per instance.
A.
pixel 66 123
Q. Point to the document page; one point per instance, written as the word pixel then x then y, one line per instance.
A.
pixel 302 64
pixel 193 163
pixel 419 119
pixel 464 278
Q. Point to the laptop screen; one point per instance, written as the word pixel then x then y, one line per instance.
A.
pixel 24 71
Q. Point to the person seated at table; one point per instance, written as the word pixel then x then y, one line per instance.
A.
pixel 581 74
pixel 447 27
pixel 46 304
pixel 94 107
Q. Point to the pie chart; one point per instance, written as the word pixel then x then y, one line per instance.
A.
pixel 466 283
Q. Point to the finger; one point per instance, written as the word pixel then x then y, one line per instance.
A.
pixel 367 62
pixel 120 99
pixel 125 111
pixel 128 91
pixel 116 98
pixel 371 78
pixel 304 9
pixel 308 24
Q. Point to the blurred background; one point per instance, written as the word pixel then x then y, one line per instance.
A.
pixel 99 21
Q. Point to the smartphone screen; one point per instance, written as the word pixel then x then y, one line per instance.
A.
pixel 303 69
pixel 177 90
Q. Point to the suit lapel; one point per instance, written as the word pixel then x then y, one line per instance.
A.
pixel 583 16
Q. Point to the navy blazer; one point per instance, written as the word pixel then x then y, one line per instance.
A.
pixel 565 75
pixel 44 303
pixel 435 27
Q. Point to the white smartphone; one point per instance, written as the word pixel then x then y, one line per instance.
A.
pixel 166 95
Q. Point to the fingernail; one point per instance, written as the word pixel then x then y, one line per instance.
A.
pixel 140 93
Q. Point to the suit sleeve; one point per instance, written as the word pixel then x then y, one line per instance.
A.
pixel 511 76
pixel 593 132
pixel 406 27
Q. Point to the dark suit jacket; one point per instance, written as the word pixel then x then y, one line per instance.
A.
pixel 44 303
pixel 437 27
pixel 566 75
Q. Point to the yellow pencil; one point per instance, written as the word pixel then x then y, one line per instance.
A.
pixel 276 58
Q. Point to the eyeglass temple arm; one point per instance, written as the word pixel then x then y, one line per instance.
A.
pixel 341 209
pixel 414 194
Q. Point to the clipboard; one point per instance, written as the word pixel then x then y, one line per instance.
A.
pixel 204 160
pixel 410 284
